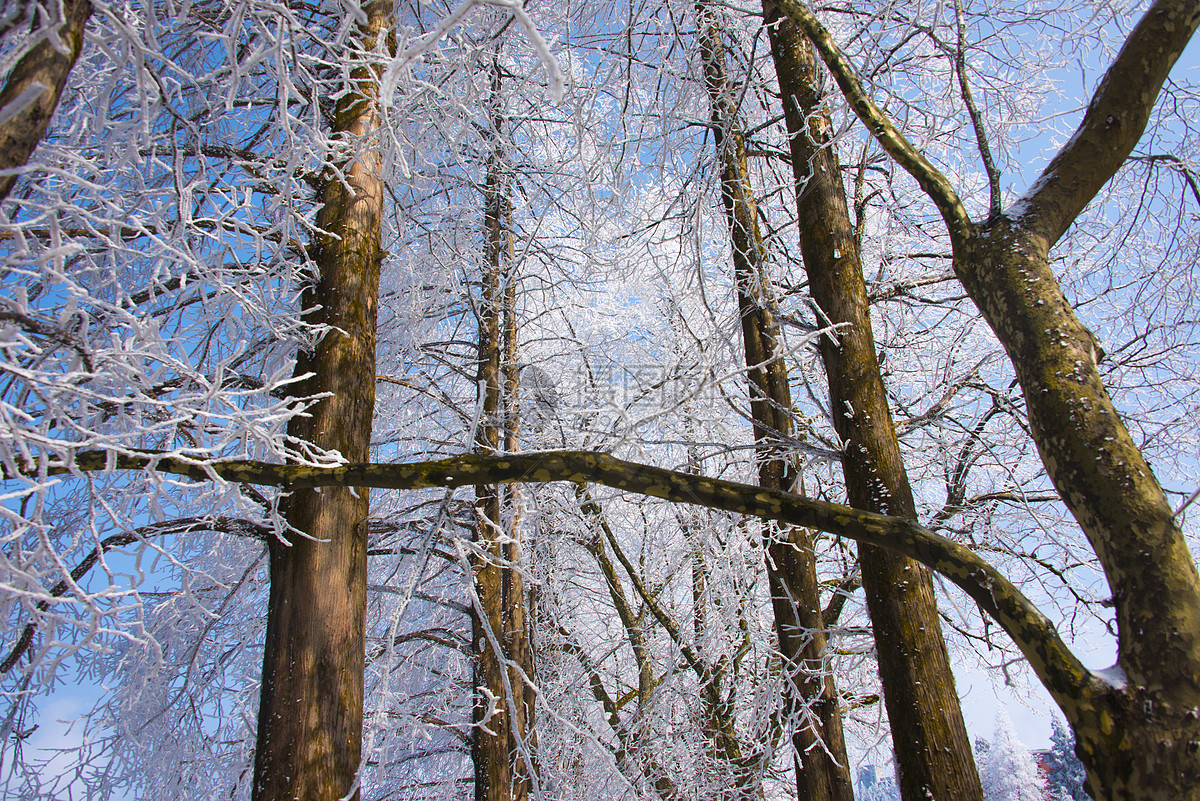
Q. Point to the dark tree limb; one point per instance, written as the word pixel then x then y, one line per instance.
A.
pixel 1051 659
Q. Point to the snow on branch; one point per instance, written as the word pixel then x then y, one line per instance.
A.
pixel 228 525
pixel 395 70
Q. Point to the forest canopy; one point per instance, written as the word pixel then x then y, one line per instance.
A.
pixel 574 400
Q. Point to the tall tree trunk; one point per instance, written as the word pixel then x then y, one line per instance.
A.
pixel 518 626
pixel 822 768
pixel 49 67
pixel 930 739
pixel 310 716
pixel 503 712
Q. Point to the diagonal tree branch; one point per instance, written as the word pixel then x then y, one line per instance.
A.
pixel 1114 121
pixel 935 185
pixel 1053 662
pixel 723 734
pixel 626 739
pixel 227 525
pixel 632 622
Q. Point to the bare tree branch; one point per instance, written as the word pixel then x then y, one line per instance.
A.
pixel 1054 663
pixel 985 151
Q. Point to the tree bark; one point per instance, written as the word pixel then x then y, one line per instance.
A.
pixel 49 67
pixel 310 716
pixel 822 770
pixel 1143 740
pixel 933 753
pixel 518 624
pixel 503 707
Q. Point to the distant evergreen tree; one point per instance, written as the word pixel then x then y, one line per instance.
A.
pixel 1006 767
pixel 1066 775
pixel 872 787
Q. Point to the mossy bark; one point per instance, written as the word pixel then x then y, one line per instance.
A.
pixel 933 754
pixel 1143 740
pixel 45 65
pixel 310 716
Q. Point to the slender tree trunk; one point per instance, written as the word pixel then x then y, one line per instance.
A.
pixel 933 752
pixel 503 713
pixel 822 766
pixel 518 628
pixel 310 716
pixel 49 67
pixel 631 754
pixel 717 715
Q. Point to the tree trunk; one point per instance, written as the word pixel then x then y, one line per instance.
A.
pixel 503 711
pixel 310 716
pixel 933 752
pixel 822 770
pixel 1140 739
pixel 518 626
pixel 44 65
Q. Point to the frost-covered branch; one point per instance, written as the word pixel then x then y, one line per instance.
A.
pixel 981 139
pixel 227 525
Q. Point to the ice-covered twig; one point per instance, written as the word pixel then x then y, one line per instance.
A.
pixel 392 75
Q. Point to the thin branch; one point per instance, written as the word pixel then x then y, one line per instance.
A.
pixel 698 665
pixel 53 332
pixel 601 695
pixel 905 288
pixel 227 525
pixel 947 512
pixel 724 736
pixel 985 152
pixel 1189 174
pixel 630 620
pixel 844 589
pixel 626 739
